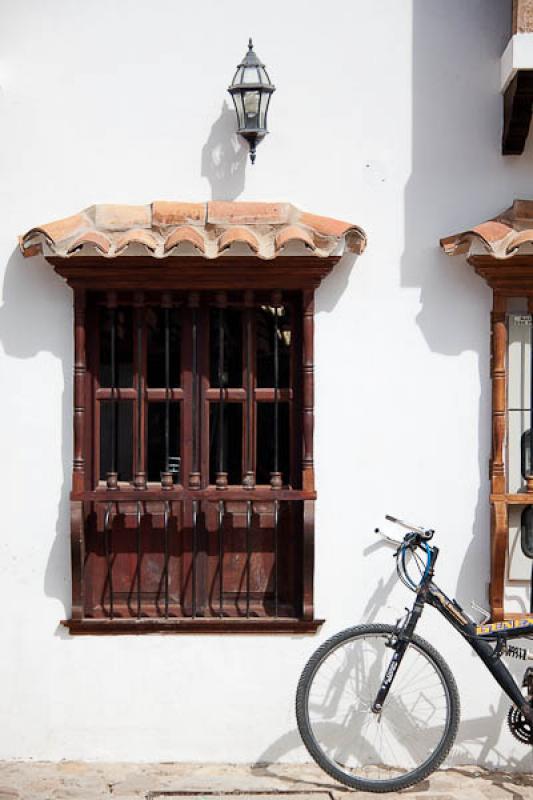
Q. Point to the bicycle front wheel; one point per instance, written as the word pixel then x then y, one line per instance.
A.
pixel 382 752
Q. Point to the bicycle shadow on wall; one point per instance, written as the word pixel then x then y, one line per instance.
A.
pixel 35 321
pixel 343 736
pixel 477 740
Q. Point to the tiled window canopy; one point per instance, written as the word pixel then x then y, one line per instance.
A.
pixel 189 301
pixel 165 228
pixel 501 237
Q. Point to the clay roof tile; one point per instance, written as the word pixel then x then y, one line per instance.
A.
pixel 185 234
pixel 292 233
pixel 136 236
pixel 94 238
pixel 166 213
pixel 236 235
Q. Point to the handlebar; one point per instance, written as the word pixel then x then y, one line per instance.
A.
pixel 423 532
pixel 416 538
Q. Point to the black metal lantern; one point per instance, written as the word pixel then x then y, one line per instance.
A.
pixel 251 91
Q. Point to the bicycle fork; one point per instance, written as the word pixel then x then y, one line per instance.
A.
pixel 403 639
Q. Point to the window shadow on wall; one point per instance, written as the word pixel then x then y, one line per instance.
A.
pixel 224 157
pixel 36 318
pixel 459 178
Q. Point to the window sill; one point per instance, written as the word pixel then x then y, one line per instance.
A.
pixel 103 627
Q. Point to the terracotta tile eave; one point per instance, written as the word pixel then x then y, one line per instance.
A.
pixel 211 229
pixel 502 237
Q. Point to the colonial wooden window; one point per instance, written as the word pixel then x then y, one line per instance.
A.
pixel 500 251
pixel 193 488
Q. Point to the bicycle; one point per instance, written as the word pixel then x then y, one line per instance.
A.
pixel 378 707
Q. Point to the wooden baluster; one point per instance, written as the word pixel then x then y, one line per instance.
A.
pixel 194 474
pixel 276 478
pixel 167 480
pixel 112 475
pixel 248 479
pixel 221 478
pixel 139 480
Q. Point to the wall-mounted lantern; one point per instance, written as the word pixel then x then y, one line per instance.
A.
pixel 251 91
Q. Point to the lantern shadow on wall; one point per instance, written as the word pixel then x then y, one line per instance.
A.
pixel 224 157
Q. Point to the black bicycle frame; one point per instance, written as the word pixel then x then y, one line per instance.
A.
pixel 487 641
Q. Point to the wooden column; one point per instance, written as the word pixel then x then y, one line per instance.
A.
pixel 499 527
pixel 498 551
pixel 308 367
pixel 77 541
pixel 308 475
pixel 499 384
pixel 80 371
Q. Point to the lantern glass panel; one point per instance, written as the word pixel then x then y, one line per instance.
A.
pixel 251 106
pixel 265 100
pixel 520 329
pixel 250 75
pixel 239 108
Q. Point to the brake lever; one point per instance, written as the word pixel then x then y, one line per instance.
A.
pixel 389 539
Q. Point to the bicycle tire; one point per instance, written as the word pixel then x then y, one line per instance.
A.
pixel 355 782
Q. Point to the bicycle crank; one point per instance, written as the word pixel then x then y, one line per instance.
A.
pixel 519 725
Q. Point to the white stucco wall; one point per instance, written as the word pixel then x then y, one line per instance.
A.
pixel 387 114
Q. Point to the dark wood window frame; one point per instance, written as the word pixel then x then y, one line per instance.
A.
pixel 193 494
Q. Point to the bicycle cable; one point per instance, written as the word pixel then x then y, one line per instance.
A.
pixel 402 568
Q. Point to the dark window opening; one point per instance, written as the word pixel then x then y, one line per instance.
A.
pixel 232 366
pixel 158 443
pixel 266 442
pixel 225 455
pixel 121 320
pixel 122 429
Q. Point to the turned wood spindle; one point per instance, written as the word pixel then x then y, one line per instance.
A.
pixel 193 301
pixel 248 479
pixel 276 478
pixel 221 478
pixel 80 372
pixel 112 303
pixel 139 480
pixel 167 479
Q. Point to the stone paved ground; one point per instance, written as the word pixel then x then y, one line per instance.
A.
pixel 82 781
